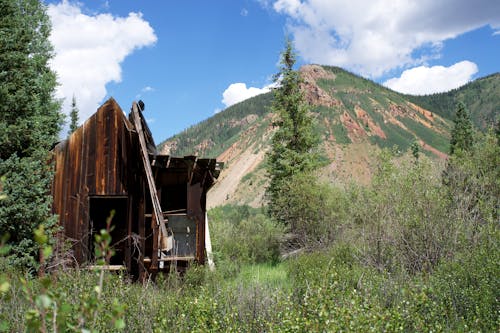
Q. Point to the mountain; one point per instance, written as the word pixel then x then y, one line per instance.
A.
pixel 354 117
pixel 480 96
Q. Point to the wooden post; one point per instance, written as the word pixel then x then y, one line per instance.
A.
pixel 154 254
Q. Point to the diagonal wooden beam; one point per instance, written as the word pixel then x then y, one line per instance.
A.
pixel 158 215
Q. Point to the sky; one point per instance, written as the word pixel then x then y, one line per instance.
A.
pixel 188 60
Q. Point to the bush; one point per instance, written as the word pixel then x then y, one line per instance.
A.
pixel 313 211
pixel 401 221
pixel 244 235
pixel 468 287
pixel 473 182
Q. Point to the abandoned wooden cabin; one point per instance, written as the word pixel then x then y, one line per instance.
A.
pixel 110 163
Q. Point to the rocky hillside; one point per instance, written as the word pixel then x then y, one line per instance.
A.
pixel 481 97
pixel 355 117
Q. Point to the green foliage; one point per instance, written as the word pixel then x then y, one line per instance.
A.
pixel 73 125
pixel 473 182
pixel 48 305
pixel 428 135
pixel 462 134
pixel 294 147
pixel 25 206
pixel 340 134
pixel 328 290
pixel 415 149
pixel 330 125
pixel 313 211
pixel 396 136
pixel 29 115
pixel 333 291
pixel 242 234
pixel 30 122
pixel 468 287
pixel 406 224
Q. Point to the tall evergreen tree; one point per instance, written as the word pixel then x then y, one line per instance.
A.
pixel 29 121
pixel 294 145
pixel 462 134
pixel 73 125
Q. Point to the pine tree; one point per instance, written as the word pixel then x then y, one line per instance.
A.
pixel 462 134
pixel 29 121
pixel 415 149
pixel 294 145
pixel 73 125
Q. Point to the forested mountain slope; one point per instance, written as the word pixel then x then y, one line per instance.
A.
pixel 482 98
pixel 354 118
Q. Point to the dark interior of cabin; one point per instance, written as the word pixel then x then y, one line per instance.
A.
pixel 174 198
pixel 100 209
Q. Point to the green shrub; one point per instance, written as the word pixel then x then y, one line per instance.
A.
pixel 473 181
pixel 468 287
pixel 243 234
pixel 402 220
pixel 313 211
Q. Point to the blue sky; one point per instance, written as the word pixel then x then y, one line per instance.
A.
pixel 189 59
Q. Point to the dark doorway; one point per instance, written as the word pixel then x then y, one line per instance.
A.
pixel 100 208
pixel 174 198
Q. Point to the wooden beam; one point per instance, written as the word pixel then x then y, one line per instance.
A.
pixel 154 254
pixel 160 222
pixel 107 268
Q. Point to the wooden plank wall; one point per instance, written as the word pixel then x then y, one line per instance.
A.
pixel 97 159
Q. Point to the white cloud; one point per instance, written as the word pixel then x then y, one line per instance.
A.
pixel 145 90
pixel 244 12
pixel 90 49
pixel 428 80
pixel 238 92
pixel 148 89
pixel 372 37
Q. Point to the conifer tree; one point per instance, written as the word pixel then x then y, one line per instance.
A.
pixel 462 134
pixel 29 121
pixel 294 145
pixel 415 149
pixel 73 125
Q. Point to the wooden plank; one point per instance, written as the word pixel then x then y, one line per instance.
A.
pixel 160 222
pixel 172 258
pixel 178 258
pixel 154 254
pixel 91 157
pixel 106 268
pixel 195 211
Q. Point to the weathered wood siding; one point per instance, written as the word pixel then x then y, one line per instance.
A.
pixel 96 160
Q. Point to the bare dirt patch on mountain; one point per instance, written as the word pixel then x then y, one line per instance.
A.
pixel 231 176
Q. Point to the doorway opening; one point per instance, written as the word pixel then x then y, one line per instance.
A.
pixel 100 208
